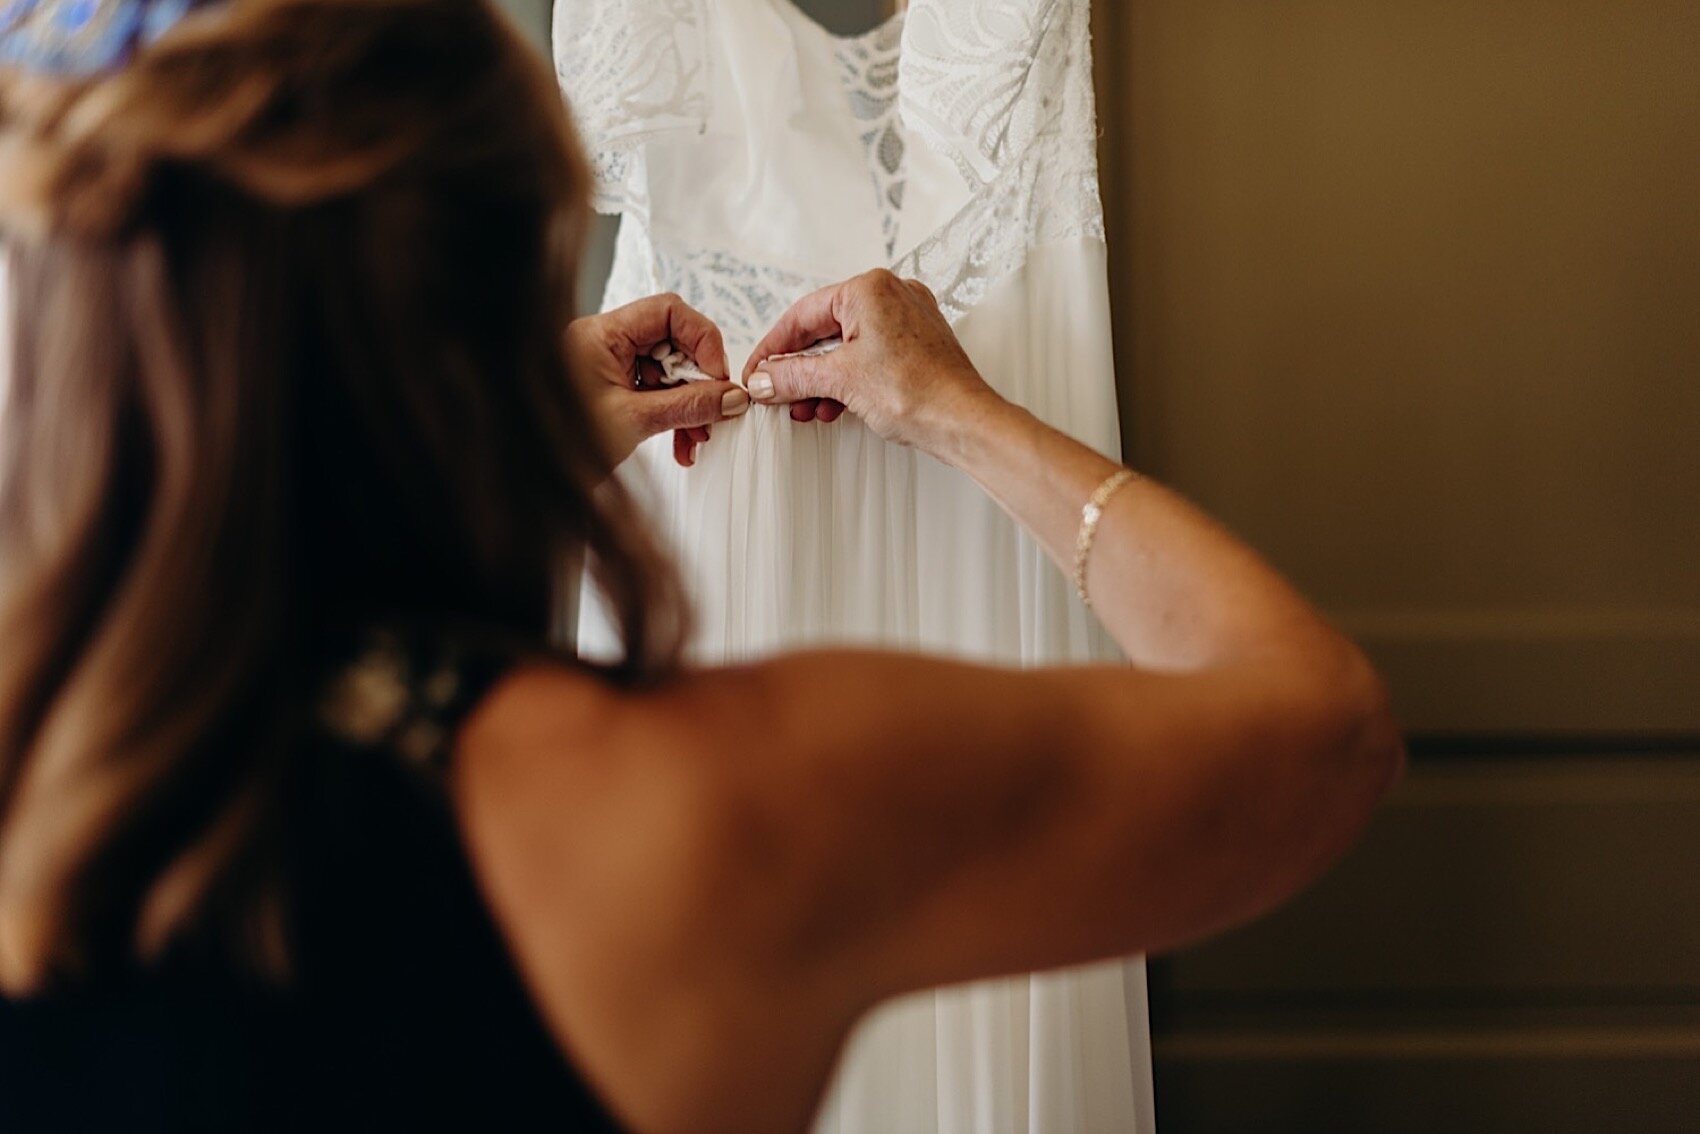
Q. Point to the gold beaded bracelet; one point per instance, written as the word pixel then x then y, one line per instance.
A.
pixel 1089 517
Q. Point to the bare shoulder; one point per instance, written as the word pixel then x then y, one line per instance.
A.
pixel 706 882
pixel 680 871
pixel 723 797
pixel 603 828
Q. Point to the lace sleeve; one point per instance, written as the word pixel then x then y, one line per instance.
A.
pixel 969 73
pixel 1020 129
pixel 630 69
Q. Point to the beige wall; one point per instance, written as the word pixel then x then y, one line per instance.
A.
pixel 1410 294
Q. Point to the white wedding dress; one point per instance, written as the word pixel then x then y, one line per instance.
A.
pixel 755 157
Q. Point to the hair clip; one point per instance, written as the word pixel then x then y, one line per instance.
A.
pixel 80 38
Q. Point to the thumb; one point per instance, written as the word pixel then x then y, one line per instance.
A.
pixel 691 404
pixel 779 380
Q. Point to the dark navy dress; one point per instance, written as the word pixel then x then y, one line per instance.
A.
pixel 404 1010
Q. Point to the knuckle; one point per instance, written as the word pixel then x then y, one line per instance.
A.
pixel 816 372
pixel 793 377
pixel 603 330
pixel 783 372
pixel 876 282
pixel 684 412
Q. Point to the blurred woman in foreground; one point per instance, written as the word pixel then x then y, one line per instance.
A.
pixel 302 821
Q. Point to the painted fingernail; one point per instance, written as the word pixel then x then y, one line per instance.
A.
pixel 733 403
pixel 761 386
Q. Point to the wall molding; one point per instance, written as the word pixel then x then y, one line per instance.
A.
pixel 1537 670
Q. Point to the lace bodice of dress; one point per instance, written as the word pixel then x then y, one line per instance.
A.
pixel 994 96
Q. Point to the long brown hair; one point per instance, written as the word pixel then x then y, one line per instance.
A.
pixel 288 301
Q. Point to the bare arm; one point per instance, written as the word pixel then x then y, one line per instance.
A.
pixel 745 860
pixel 1176 590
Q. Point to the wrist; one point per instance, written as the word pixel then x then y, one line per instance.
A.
pixel 975 428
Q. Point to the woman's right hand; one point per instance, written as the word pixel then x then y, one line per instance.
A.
pixel 901 369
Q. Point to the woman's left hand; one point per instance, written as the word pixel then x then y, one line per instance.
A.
pixel 609 355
